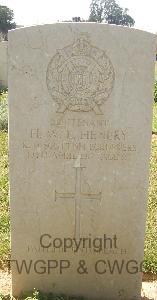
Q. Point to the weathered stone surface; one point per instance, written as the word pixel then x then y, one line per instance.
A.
pixel 80 98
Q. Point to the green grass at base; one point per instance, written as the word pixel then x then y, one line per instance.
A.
pixel 4 204
pixel 156 71
pixel 150 252
pixel 155 118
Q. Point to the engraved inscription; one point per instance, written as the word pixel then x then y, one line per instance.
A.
pixel 80 77
pixel 91 139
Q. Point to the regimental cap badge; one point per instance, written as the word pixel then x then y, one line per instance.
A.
pixel 80 77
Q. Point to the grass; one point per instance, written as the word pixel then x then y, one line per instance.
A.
pixel 150 264
pixel 37 295
pixel 4 205
pixel 156 71
pixel 155 118
pixel 150 253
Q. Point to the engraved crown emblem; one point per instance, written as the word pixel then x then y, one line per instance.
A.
pixel 81 46
pixel 80 77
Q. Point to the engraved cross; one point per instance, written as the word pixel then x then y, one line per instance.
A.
pixel 77 196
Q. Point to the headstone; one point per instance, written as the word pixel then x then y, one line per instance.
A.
pixel 80 98
pixel 3 64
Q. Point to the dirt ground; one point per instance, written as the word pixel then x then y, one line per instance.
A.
pixel 5 283
pixel 149 288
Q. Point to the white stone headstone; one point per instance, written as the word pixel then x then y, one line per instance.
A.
pixel 3 64
pixel 80 103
